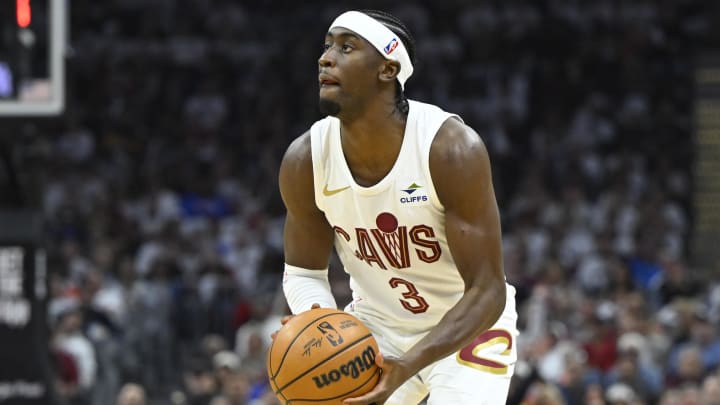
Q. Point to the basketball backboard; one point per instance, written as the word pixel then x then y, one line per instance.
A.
pixel 32 52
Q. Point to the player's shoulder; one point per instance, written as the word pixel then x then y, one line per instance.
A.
pixel 459 166
pixel 456 142
pixel 300 149
pixel 297 161
pixel 452 132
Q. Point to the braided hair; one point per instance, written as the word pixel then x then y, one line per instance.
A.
pixel 399 29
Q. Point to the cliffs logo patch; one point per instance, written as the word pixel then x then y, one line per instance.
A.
pixel 410 198
pixel 330 333
pixel 412 188
pixel 391 46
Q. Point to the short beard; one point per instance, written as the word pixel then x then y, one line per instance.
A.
pixel 329 107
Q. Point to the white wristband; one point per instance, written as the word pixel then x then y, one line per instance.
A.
pixel 305 287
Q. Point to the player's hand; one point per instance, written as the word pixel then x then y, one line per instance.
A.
pixel 287 318
pixel 394 374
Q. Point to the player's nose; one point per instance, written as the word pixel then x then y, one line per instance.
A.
pixel 326 59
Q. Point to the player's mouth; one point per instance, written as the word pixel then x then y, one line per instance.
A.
pixel 326 80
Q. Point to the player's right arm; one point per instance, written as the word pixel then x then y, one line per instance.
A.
pixel 308 237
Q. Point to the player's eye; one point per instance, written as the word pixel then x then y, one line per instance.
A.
pixel 347 48
pixel 325 47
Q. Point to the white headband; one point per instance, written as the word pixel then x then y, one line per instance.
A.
pixel 380 36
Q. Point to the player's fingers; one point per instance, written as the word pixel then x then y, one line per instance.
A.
pixel 287 318
pixel 386 362
pixel 273 335
pixel 367 399
pixel 377 395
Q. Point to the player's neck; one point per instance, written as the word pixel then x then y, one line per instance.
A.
pixel 371 142
pixel 374 128
pixel 374 122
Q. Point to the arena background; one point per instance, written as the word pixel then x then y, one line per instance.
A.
pixel 140 232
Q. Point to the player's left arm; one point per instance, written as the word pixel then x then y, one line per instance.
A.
pixel 460 169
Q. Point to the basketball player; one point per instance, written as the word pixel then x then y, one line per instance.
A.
pixel 403 191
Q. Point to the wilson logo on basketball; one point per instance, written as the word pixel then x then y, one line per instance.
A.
pixel 330 333
pixel 353 369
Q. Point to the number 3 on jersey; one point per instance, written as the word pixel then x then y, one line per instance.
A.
pixel 413 302
pixel 472 355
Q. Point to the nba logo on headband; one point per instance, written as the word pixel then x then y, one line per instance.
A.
pixel 391 46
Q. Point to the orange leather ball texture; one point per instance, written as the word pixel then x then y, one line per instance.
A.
pixel 322 356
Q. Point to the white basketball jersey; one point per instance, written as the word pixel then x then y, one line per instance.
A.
pixel 390 236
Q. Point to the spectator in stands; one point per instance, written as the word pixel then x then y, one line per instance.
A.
pixel 68 338
pixel 131 394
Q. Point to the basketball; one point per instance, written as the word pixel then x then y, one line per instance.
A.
pixel 322 356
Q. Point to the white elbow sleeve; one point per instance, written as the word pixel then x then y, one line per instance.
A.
pixel 304 287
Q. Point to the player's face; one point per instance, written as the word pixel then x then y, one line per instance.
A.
pixel 348 71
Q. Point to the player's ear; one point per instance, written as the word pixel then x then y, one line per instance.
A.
pixel 389 70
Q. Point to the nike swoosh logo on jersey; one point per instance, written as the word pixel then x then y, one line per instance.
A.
pixel 328 193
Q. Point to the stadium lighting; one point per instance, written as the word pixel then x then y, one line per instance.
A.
pixel 23 13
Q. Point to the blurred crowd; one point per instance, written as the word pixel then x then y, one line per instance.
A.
pixel 164 223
